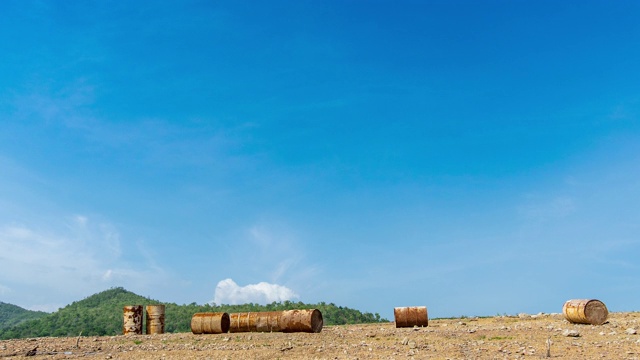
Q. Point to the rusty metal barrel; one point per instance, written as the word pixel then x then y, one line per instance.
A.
pixel 132 320
pixel 411 316
pixel 210 323
pixel 585 311
pixel 306 320
pixel 155 319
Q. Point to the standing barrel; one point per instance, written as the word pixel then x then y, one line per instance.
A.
pixel 585 311
pixel 132 320
pixel 411 316
pixel 155 319
pixel 307 320
pixel 210 323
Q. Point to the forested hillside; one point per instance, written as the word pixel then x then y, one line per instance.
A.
pixel 101 314
pixel 12 315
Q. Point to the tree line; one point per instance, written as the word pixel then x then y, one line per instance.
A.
pixel 101 314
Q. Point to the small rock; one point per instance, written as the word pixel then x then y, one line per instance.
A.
pixel 412 344
pixel 631 331
pixel 405 341
pixel 571 333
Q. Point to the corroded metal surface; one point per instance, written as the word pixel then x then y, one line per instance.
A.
pixel 132 320
pixel 585 311
pixel 307 320
pixel 210 323
pixel 155 319
pixel 411 316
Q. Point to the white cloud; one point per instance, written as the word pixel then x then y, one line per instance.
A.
pixel 228 292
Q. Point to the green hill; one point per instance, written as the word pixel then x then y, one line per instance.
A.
pixel 101 314
pixel 12 315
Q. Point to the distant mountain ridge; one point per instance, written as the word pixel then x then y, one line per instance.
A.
pixel 12 315
pixel 101 314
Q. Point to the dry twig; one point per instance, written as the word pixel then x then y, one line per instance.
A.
pixel 78 340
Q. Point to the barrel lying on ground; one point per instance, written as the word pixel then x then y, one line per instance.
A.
pixel 585 311
pixel 132 320
pixel 307 320
pixel 210 323
pixel 411 316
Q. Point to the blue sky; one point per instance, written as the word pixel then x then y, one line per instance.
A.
pixel 477 158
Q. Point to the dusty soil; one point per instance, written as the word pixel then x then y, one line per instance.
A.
pixel 516 337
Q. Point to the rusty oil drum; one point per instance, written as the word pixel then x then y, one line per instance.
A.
pixel 132 320
pixel 307 320
pixel 411 316
pixel 210 323
pixel 585 311
pixel 155 319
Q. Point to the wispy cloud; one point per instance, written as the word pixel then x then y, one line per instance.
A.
pixel 70 105
pixel 537 208
pixel 278 254
pixel 4 290
pixel 56 104
pixel 228 292
pixel 278 249
pixel 82 259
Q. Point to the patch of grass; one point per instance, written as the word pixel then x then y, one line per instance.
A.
pixel 137 342
pixel 500 338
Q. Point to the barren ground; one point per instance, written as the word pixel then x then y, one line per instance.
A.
pixel 518 337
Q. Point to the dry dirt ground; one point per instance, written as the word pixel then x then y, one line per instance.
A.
pixel 503 337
